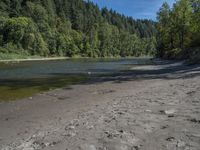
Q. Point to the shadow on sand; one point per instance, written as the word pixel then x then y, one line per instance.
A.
pixel 165 70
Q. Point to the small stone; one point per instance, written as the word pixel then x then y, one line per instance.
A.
pixel 71 134
pixel 71 127
pixel 89 73
pixel 136 147
pixel 121 131
pixel 180 144
pixel 47 144
pixel 120 113
pixel 170 112
pixel 90 127
pixel 164 127
pixel 170 139
pixel 194 120
pixel 171 116
pixel 149 111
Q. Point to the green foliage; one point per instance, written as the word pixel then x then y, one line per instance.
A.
pixel 179 29
pixel 72 28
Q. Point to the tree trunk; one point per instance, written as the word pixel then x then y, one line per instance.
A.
pixel 171 40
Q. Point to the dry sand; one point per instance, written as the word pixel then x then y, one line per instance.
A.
pixel 32 59
pixel 141 109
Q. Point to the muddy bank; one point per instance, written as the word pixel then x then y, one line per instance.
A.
pixel 141 109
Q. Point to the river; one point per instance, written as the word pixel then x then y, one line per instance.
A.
pixel 24 79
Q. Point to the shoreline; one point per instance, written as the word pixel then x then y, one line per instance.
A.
pixel 63 58
pixel 34 59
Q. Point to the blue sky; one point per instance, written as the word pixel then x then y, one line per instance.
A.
pixel 138 9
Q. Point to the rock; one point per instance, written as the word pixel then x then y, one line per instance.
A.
pixel 194 120
pixel 136 147
pixel 170 139
pixel 53 143
pixel 89 73
pixel 74 122
pixel 90 127
pixel 180 144
pixel 71 134
pixel 71 127
pixel 87 147
pixel 164 127
pixel 171 116
pixel 111 135
pixel 149 111
pixel 168 112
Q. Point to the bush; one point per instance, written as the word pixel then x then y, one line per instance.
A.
pixel 175 53
pixel 194 55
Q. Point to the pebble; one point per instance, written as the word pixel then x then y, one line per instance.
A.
pixel 149 111
pixel 170 139
pixel 71 134
pixel 180 144
pixel 168 112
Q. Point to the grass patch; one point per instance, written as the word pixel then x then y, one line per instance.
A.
pixel 6 56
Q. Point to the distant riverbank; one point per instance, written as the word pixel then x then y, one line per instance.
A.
pixel 34 59
pixel 60 58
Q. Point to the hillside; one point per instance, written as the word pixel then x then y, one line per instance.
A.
pixel 71 28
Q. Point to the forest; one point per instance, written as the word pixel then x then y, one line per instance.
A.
pixel 78 28
pixel 179 30
pixel 72 28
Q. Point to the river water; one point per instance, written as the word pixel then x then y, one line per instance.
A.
pixel 24 79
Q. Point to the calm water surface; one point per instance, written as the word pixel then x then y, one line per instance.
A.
pixel 24 79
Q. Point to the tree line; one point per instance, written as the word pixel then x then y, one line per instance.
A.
pixel 179 30
pixel 72 28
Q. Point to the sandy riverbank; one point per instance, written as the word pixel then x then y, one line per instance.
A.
pixel 32 59
pixel 141 109
pixel 62 58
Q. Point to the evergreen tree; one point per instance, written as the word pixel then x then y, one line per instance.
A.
pixel 179 29
pixel 70 28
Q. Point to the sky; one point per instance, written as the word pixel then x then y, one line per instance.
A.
pixel 138 9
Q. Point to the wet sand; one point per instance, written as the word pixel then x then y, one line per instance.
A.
pixel 146 108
